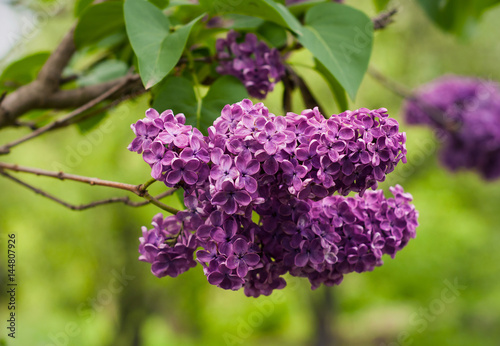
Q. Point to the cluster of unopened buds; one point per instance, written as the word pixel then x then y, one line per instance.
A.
pixel 266 195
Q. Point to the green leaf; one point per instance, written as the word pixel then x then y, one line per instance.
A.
pixel 335 87
pixel 103 72
pixel 80 6
pixel 157 49
pixel 225 90
pixel 22 71
pixel 299 8
pixel 242 22
pixel 99 21
pixel 381 4
pixel 161 4
pixel 341 38
pixel 265 9
pixel 177 94
pixel 273 33
pixel 456 16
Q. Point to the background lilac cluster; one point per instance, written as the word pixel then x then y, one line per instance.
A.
pixel 471 109
pixel 259 200
pixel 251 61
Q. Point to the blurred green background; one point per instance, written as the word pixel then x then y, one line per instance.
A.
pixel 80 282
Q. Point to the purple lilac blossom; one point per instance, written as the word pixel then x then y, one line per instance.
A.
pixel 287 170
pixel 256 65
pixel 167 247
pixel 472 107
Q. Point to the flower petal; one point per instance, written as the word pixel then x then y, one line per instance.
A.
pixel 173 177
pixel 242 197
pixel 215 278
pixel 240 246
pixel 301 259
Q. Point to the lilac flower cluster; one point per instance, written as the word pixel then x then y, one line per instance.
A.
pixel 285 170
pixel 324 240
pixel 256 65
pixel 466 111
pixel 167 247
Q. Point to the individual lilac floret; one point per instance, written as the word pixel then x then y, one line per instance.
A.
pixel 287 171
pixel 466 112
pixel 256 65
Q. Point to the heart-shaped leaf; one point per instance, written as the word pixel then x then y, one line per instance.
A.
pixel 177 94
pixel 98 21
pixel 22 71
pixel 157 48
pixel 336 89
pixel 265 9
pixel 341 38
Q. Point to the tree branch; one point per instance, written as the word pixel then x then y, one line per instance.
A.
pixel 50 74
pixel 76 97
pixel 34 94
pixel 125 199
pixel 140 190
pixel 118 84
pixel 44 92
pixel 136 189
pixel 100 110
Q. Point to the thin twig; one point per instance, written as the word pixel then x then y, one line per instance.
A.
pixel 395 87
pixel 125 199
pixel 101 109
pixel 137 189
pixel 383 19
pixel 433 112
pixel 140 190
pixel 67 118
pixel 97 111
pixel 51 71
